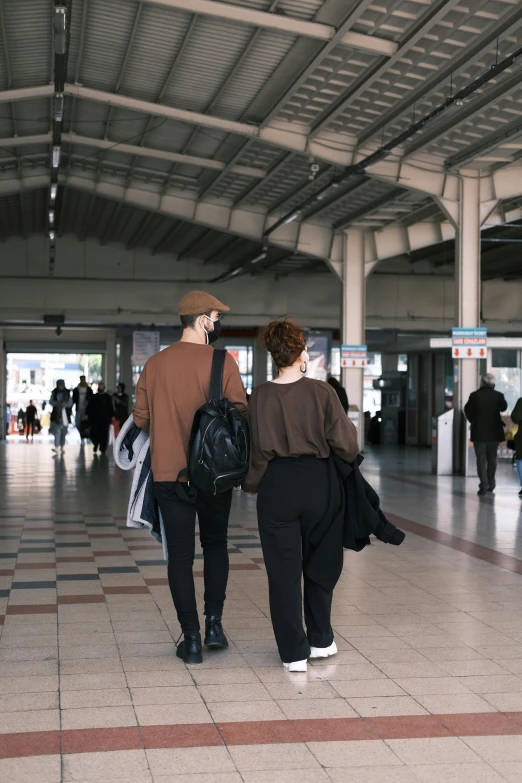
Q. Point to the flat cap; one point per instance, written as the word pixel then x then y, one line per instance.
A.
pixel 199 302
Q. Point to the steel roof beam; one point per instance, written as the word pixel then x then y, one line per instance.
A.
pixel 453 119
pixel 149 152
pixel 367 209
pixel 436 12
pixel 232 72
pixel 488 144
pixel 304 75
pixel 469 55
pixel 280 23
pixel 26 93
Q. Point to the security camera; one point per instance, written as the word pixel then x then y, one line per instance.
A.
pixel 58 331
pixel 314 167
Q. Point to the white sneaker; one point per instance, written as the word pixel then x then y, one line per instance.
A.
pixel 323 652
pixel 296 666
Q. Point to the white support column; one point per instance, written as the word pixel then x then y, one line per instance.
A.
pixel 3 386
pixel 110 361
pixel 354 301
pixel 467 283
pixel 126 363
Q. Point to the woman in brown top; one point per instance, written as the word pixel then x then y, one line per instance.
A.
pixel 295 423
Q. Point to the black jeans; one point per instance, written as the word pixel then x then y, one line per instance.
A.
pixel 293 496
pixel 178 505
pixel 486 453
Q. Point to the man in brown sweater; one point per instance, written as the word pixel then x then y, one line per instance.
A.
pixel 173 385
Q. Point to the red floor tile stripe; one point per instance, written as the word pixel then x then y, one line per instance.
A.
pixel 266 732
pixel 84 559
pixel 482 724
pixel 195 735
pixel 104 535
pixel 260 733
pixel 460 544
pixel 34 566
pixel 2 618
pixel 81 599
pixel 334 729
pixel 156 582
pixel 128 590
pixel 32 743
pixel 95 740
pixel 113 553
pixel 244 567
pixel 7 572
pixel 32 609
pixel 409 727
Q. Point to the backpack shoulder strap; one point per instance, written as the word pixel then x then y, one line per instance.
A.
pixel 216 377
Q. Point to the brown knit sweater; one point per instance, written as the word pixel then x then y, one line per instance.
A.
pixel 304 418
pixel 173 385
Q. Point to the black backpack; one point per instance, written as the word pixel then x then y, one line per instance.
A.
pixel 219 447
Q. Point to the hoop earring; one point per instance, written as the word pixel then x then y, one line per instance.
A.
pixel 305 366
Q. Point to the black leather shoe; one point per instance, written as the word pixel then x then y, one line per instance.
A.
pixel 215 637
pixel 190 649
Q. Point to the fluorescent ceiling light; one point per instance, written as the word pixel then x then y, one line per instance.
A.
pixel 293 216
pixel 260 257
pixel 57 152
pixel 60 17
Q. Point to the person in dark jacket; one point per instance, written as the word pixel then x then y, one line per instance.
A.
pixel 99 412
pixel 340 391
pixel 516 418
pixel 30 418
pixel 483 411
pixel 82 395
pixel 61 403
pixel 121 404
pixel 296 423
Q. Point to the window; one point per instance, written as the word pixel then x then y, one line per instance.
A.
pixel 244 356
pixel 402 362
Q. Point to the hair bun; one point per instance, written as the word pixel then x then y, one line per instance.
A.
pixel 284 340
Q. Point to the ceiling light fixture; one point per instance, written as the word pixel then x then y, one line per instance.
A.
pixel 60 13
pixel 293 216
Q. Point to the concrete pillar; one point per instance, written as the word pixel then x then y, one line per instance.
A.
pixel 467 282
pixel 3 385
pixel 353 332
pixel 467 278
pixel 259 364
pixel 110 361
pixel 126 362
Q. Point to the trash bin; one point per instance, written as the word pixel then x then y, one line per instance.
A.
pixel 442 444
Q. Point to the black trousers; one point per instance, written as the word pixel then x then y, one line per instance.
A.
pixel 179 505
pixel 293 497
pixel 100 435
pixel 29 427
pixel 486 453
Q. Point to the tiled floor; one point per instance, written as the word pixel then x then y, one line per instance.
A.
pixel 427 685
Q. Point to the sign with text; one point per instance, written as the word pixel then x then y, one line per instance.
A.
pixel 144 345
pixel 469 343
pixel 354 356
